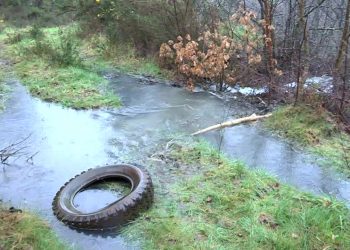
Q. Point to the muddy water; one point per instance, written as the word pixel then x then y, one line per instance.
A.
pixel 68 142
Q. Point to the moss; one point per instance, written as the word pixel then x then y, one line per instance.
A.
pixel 315 130
pixel 26 231
pixel 226 206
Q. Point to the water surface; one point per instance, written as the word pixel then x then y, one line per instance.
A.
pixel 68 142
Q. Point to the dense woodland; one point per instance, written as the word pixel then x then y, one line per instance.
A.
pixel 265 43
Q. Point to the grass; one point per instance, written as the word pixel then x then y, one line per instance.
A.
pixel 123 57
pixel 77 85
pixel 71 86
pixel 26 231
pixel 226 206
pixel 315 130
pixel 2 90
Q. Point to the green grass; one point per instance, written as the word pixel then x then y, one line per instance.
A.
pixel 77 85
pixel 26 231
pixel 71 86
pixel 123 57
pixel 2 89
pixel 226 206
pixel 315 130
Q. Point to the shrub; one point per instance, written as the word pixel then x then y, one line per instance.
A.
pixel 35 32
pixel 214 56
pixel 66 52
pixel 15 37
pixel 62 51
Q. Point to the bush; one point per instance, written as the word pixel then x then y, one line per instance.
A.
pixel 15 37
pixel 62 51
pixel 35 32
pixel 66 52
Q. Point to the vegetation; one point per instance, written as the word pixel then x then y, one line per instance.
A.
pixel 3 87
pixel 26 231
pixel 122 56
pixel 280 35
pixel 59 47
pixel 58 66
pixel 72 86
pixel 226 206
pixel 214 56
pixel 316 130
pixel 50 64
pixel 228 42
pixel 2 90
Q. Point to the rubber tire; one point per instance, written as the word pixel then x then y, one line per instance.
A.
pixel 114 215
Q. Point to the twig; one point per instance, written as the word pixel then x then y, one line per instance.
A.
pixel 14 150
pixel 32 157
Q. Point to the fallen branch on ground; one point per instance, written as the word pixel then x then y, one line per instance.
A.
pixel 235 122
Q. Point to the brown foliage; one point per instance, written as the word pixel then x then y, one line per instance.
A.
pixel 213 56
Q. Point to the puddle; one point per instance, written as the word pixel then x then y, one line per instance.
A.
pixel 66 142
pixel 100 195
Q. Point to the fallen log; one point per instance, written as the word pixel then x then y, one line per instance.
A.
pixel 231 123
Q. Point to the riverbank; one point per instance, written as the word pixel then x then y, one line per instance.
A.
pixel 2 90
pixel 22 230
pixel 51 68
pixel 316 131
pixel 220 204
pixel 94 138
pixel 60 65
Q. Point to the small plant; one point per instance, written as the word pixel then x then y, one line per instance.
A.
pixel 15 37
pixel 62 51
pixel 67 52
pixel 35 32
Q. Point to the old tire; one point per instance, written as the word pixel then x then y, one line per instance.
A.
pixel 114 215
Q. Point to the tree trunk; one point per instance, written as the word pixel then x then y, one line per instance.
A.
pixel 303 52
pixel 344 40
pixel 344 78
pixel 341 65
pixel 266 10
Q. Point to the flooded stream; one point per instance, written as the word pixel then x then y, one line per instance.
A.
pixel 68 142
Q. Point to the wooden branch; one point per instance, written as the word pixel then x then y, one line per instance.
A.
pixel 231 123
pixel 325 28
pixel 14 150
